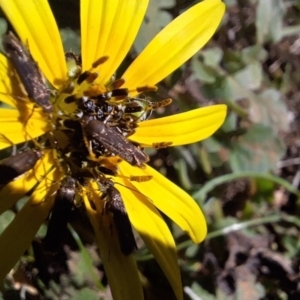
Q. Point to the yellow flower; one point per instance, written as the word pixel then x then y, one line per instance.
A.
pixel 108 29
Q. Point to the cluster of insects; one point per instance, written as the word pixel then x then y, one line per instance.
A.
pixel 90 132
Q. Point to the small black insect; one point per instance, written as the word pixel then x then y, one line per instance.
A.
pixel 97 132
pixel 116 206
pixel 14 166
pixel 28 71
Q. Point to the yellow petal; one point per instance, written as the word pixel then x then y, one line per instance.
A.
pixel 170 199
pixel 10 86
pixel 121 270
pixel 18 188
pixel 181 129
pixel 36 26
pixel 108 28
pixel 175 44
pixel 16 238
pixel 17 126
pixel 154 231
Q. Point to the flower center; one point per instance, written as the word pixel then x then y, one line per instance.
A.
pixel 92 123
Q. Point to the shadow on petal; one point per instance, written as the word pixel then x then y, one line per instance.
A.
pixel 152 228
pixel 16 238
pixel 16 189
pixel 121 270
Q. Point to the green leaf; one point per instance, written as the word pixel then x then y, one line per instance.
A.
pixel 269 20
pixel 258 150
pixel 254 53
pixel 268 108
pixel 202 72
pixel 156 19
pixel 206 66
pixel 5 219
pixel 201 194
pixel 250 77
pixel 3 30
pixel 71 40
pixel 290 30
pixel 87 294
pixel 239 85
pixel 84 269
pixel 212 57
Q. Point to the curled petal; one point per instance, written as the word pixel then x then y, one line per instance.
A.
pixel 36 26
pixel 181 129
pixel 152 228
pixel 175 44
pixel 108 28
pixel 170 199
pixel 121 270
pixel 16 238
